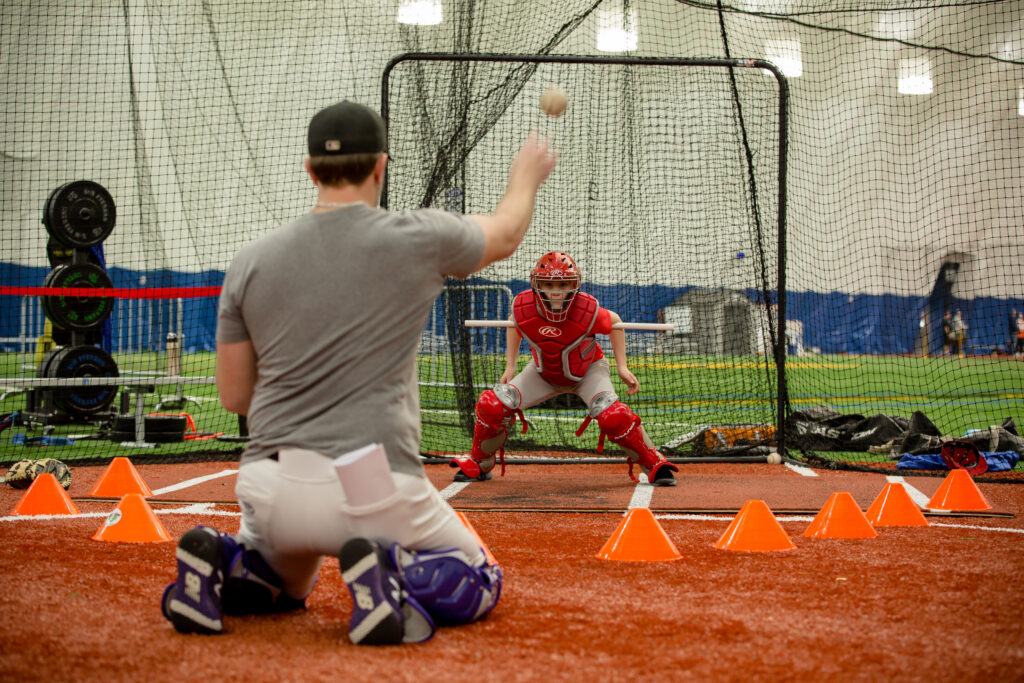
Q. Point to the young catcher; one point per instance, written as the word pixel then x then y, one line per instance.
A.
pixel 559 322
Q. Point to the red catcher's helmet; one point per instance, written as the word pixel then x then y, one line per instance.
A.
pixel 555 266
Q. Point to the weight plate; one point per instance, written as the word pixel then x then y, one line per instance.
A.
pixel 79 214
pixel 44 365
pixel 157 437
pixel 45 301
pixel 76 362
pixel 155 424
pixel 61 255
pixel 78 312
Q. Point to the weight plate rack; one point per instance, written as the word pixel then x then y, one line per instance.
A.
pixel 78 216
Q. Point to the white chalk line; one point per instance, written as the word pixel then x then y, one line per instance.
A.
pixel 453 489
pixel 193 509
pixel 192 482
pixel 915 495
pixel 643 493
pixel 801 470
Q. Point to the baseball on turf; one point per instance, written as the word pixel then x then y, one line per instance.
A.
pixel 554 101
pixel 774 458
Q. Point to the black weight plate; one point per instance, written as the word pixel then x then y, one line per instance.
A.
pixel 61 255
pixel 44 365
pixel 155 424
pixel 80 214
pixel 78 312
pixel 150 437
pixel 78 362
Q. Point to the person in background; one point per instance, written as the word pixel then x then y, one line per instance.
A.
pixel 1018 345
pixel 1012 330
pixel 959 329
pixel 947 333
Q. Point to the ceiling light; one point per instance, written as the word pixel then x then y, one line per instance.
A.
pixel 915 76
pixel 420 12
pixel 616 29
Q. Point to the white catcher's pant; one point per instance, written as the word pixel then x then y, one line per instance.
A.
pixel 294 513
pixel 534 389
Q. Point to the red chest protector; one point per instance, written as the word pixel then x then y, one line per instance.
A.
pixel 564 350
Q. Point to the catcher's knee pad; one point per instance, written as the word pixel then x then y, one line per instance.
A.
pixel 623 428
pixel 250 585
pixel 451 590
pixel 496 409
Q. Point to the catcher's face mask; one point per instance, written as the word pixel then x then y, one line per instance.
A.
pixel 964 455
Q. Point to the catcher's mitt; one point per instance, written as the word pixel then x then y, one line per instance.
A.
pixel 24 472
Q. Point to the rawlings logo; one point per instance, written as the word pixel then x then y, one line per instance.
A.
pixel 550 331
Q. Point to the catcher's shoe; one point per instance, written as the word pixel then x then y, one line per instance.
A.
pixel 192 603
pixel 382 612
pixel 663 477
pixel 462 476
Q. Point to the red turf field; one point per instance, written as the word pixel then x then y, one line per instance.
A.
pixel 936 603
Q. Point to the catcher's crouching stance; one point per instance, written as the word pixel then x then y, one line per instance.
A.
pixel 559 323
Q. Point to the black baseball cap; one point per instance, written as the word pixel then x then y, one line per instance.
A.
pixel 347 128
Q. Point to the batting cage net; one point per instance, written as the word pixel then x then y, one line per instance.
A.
pixel 822 198
pixel 670 210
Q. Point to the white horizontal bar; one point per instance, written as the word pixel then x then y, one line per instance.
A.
pixel 665 327
pixel 50 382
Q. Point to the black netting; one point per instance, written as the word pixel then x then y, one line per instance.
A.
pixel 901 203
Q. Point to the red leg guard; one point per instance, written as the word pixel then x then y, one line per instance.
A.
pixel 490 431
pixel 623 428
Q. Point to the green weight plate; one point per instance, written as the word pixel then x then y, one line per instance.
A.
pixel 78 312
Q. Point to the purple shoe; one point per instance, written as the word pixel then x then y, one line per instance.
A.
pixel 193 603
pixel 376 594
pixel 382 612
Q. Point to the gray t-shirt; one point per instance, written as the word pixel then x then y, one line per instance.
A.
pixel 335 304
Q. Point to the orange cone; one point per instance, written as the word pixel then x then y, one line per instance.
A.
pixel 894 507
pixel 639 538
pixel 133 521
pixel 755 529
pixel 958 492
pixel 45 497
pixel 840 517
pixel 119 479
pixel 479 541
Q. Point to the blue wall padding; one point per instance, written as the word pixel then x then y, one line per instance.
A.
pixel 834 322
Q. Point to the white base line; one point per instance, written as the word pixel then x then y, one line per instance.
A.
pixel 199 509
pixel 192 482
pixel 453 489
pixel 726 518
pixel 915 495
pixel 801 470
pixel 975 526
pixel 642 494
pixel 186 510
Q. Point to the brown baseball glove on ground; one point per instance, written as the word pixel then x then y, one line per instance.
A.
pixel 24 472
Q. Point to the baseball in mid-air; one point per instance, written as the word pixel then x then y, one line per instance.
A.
pixel 554 101
pixel 774 458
